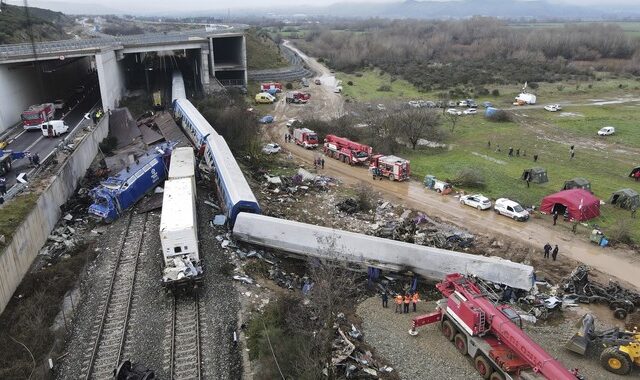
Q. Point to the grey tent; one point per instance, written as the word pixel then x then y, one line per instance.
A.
pixel 625 198
pixel 535 175
pixel 577 183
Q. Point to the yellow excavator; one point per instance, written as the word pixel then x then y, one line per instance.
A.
pixel 621 348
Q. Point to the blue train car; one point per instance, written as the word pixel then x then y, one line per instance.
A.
pixel 192 122
pixel 233 189
pixel 116 194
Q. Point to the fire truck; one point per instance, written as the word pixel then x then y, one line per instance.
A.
pixel 35 115
pixel 346 150
pixel 271 87
pixel 490 334
pixel 305 137
pixel 392 167
pixel 297 97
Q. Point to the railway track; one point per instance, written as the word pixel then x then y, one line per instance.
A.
pixel 111 328
pixel 185 337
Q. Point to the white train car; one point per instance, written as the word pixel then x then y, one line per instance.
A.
pixel 177 87
pixel 179 222
pixel 183 165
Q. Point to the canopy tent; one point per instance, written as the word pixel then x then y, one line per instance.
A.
pixel 578 204
pixel 625 198
pixel 535 175
pixel 577 183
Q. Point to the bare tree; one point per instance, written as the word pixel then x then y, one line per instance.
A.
pixel 452 119
pixel 417 123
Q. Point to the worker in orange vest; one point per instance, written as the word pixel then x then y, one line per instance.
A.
pixel 399 303
pixel 415 299
pixel 407 301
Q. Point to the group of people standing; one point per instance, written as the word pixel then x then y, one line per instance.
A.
pixel 402 302
pixel 549 250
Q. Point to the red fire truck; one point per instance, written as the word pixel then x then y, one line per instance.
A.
pixel 297 97
pixel 266 87
pixel 35 115
pixel 346 150
pixel 392 167
pixel 490 334
pixel 305 137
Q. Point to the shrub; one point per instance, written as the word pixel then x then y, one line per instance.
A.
pixel 109 144
pixel 533 85
pixel 365 196
pixel 288 86
pixel 495 92
pixel 350 83
pixel 384 88
pixel 469 177
pixel 620 232
pixel 499 116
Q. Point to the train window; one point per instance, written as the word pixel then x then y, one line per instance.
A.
pixel 177 249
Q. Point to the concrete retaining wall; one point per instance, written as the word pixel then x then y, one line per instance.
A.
pixel 432 263
pixel 32 234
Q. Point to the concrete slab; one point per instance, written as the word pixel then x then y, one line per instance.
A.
pixel 432 263
pixel 149 136
pixel 123 127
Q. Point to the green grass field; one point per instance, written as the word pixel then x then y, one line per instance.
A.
pixel 365 87
pixel 631 28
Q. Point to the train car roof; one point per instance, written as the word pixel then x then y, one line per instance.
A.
pixel 234 179
pixel 177 205
pixel 191 113
pixel 183 163
pixel 177 87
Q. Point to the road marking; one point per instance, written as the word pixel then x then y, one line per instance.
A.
pixel 35 142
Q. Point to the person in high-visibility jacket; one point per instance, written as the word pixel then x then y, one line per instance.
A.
pixel 415 299
pixel 407 301
pixel 399 303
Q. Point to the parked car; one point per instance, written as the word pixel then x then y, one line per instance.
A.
pixel 487 104
pixel 292 122
pixel 268 119
pixel 478 201
pixel 606 131
pixel 470 111
pixel 453 111
pixel 337 89
pixel 463 103
pixel 317 81
pixel 381 107
pixel 305 82
pixel 271 148
pixel 414 103
pixel 511 209
pixel 551 107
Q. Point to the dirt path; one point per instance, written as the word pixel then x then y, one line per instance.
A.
pixel 618 263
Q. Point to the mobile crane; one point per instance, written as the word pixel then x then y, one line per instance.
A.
pixel 345 150
pixel 490 334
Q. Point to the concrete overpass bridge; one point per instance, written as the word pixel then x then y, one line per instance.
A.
pixel 45 71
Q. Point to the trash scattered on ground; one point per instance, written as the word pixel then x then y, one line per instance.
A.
pixel 219 220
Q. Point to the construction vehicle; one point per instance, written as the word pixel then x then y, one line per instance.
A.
pixel 297 97
pixel 37 114
pixel 6 159
pixel 392 167
pixel 490 334
pixel 305 137
pixel 116 194
pixel 346 150
pixel 621 348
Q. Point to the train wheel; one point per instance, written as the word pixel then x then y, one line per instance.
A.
pixel 461 343
pixel 448 330
pixel 620 313
pixel 482 366
pixel 496 376
pixel 616 361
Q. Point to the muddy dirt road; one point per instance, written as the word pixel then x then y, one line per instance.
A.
pixel 619 263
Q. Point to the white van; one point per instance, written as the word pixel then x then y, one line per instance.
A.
pixel 54 128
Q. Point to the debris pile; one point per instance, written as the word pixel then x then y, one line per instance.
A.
pixel 302 181
pixel 621 300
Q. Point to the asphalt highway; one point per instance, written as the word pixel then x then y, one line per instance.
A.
pixel 35 142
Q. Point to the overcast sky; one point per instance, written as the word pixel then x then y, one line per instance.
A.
pixel 191 5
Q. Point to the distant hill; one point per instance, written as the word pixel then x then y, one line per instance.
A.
pixel 46 25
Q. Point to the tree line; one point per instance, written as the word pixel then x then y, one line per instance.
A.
pixel 481 50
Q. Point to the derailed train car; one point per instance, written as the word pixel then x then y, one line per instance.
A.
pixel 179 222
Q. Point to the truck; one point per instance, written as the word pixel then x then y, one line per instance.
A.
pixel 490 334
pixel 6 160
pixel 271 86
pixel 346 150
pixel 37 114
pixel 118 193
pixel 392 167
pixel 305 137
pixel 297 97
pixel 265 98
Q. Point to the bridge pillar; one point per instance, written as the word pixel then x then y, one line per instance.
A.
pixel 244 59
pixel 111 79
pixel 204 67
